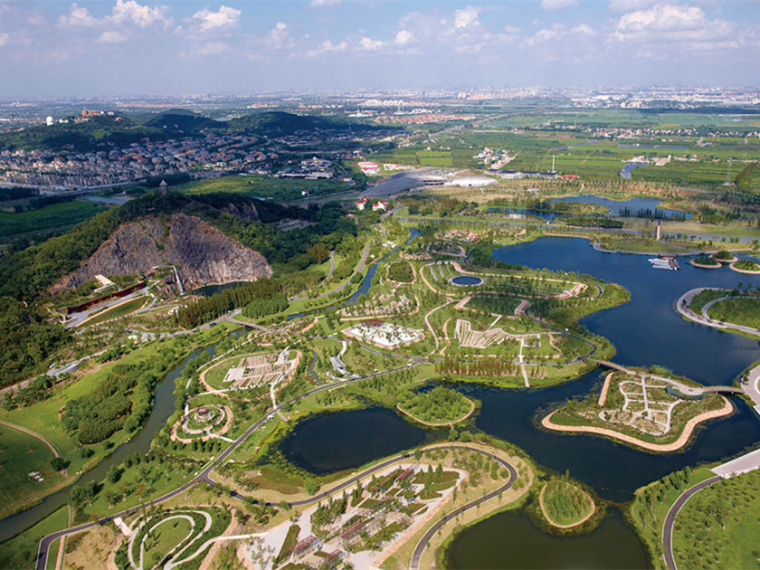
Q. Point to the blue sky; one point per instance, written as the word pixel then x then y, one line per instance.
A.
pixel 127 47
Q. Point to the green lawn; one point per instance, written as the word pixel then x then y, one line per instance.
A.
pixel 21 454
pixel 51 217
pixel 20 552
pixel 648 510
pixel 118 311
pixel 44 419
pixel 738 311
pixel 718 527
pixel 265 187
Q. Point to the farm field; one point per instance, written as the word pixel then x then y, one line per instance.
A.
pixel 52 217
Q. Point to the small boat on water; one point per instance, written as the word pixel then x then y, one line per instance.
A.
pixel 664 263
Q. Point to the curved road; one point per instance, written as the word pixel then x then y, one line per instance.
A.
pixel 203 476
pixel 670 519
pixel 414 563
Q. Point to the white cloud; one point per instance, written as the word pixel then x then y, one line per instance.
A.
pixel 327 47
pixel 369 44
pixel 112 37
pixel 214 48
pixel 404 37
pixel 673 23
pixel 511 30
pixel 322 3
pixel 124 13
pixel 132 12
pixel 78 17
pixel 544 36
pixel 630 5
pixel 223 18
pixel 4 39
pixel 466 17
pixel 279 37
pixel 552 5
pixel 583 29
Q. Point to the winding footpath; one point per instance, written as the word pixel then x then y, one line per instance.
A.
pixel 204 475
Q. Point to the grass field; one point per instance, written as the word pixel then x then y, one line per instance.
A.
pixel 20 552
pixel 718 527
pixel 648 510
pixel 44 417
pixel 63 215
pixel 121 310
pixel 265 187
pixel 565 504
pixel 21 454
pixel 742 311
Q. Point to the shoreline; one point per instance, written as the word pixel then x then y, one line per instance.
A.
pixel 679 443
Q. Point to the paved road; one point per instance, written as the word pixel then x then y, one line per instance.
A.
pixel 204 475
pixel 414 563
pixel 683 307
pixel 670 519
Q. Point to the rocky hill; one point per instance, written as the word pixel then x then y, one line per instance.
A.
pixel 202 254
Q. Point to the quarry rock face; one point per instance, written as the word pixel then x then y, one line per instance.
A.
pixel 202 254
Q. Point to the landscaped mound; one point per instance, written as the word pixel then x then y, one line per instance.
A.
pixel 723 256
pixel 439 406
pixel 565 505
pixel 745 266
pixel 739 311
pixel 401 272
pixel 705 261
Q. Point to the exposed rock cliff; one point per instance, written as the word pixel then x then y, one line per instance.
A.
pixel 202 254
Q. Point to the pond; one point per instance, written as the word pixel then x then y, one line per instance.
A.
pixel 511 540
pixel 632 205
pixel 466 280
pixel 334 442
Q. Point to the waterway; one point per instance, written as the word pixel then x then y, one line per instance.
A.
pixel 628 168
pixel 645 331
pixel 634 205
pixel 163 408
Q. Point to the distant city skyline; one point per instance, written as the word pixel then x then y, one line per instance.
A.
pixel 124 47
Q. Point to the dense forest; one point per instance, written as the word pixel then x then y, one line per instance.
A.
pixel 28 340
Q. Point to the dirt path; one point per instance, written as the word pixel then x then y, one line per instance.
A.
pixel 572 525
pixel 33 434
pixel 682 440
pixel 605 389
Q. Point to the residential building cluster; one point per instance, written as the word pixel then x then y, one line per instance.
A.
pixel 133 163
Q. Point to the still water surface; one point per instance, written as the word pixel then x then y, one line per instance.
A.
pixel 645 331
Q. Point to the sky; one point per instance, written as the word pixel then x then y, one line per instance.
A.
pixel 57 48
